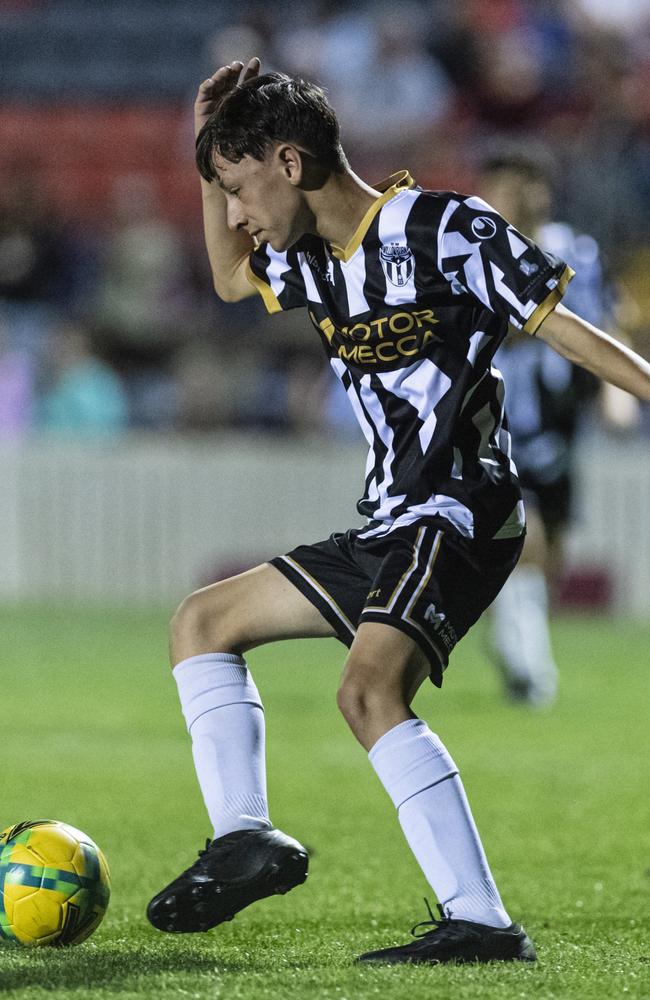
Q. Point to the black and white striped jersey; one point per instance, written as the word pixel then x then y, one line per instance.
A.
pixel 411 313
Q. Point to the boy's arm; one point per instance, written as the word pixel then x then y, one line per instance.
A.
pixel 228 251
pixel 586 345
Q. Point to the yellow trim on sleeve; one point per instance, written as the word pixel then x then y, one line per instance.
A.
pixel 537 317
pixel 270 298
pixel 393 185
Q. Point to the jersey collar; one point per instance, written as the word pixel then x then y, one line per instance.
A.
pixel 389 187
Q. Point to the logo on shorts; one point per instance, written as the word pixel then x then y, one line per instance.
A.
pixel 441 626
pixel 435 617
pixel 484 227
pixel 398 262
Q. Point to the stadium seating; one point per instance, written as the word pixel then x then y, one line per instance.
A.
pixel 77 154
pixel 97 51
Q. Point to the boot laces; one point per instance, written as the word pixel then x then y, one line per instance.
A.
pixel 199 864
pixel 205 849
pixel 442 925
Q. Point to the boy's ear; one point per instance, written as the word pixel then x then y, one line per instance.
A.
pixel 301 168
pixel 290 160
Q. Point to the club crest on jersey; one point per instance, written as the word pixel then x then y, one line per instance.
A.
pixel 398 262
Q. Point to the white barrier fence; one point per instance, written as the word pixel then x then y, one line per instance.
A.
pixel 147 520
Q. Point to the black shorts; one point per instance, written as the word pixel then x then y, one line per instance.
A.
pixel 429 583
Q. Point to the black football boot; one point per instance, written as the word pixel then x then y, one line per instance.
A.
pixel 231 873
pixel 459 941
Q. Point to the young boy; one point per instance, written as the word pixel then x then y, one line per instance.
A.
pixel 411 292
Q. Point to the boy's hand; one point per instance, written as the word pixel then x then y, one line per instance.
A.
pixel 213 90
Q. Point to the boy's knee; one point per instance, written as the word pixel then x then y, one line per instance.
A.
pixel 364 694
pixel 203 623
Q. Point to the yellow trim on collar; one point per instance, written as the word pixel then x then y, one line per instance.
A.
pixel 537 317
pixel 393 185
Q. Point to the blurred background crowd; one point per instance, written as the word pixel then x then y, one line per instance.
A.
pixel 108 321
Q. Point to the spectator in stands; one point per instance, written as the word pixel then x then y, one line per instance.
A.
pixel 81 395
pixel 16 386
pixel 40 267
pixel 145 306
pixel 406 90
pixel 142 295
pixel 625 15
pixel 36 259
pixel 607 149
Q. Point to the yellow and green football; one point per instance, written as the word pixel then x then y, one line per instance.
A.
pixel 54 884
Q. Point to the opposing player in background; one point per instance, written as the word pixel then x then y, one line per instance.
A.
pixel 546 396
pixel 411 292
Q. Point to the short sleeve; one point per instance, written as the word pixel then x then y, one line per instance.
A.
pixel 481 253
pixel 278 278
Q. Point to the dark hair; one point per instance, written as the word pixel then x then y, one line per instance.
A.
pixel 267 109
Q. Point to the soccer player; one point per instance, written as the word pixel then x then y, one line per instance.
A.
pixel 411 293
pixel 544 396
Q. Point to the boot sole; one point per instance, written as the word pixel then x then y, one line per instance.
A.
pixel 499 952
pixel 442 961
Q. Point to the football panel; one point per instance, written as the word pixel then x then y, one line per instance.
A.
pixel 76 834
pixel 25 879
pixel 34 900
pixel 17 854
pixel 38 918
pixel 83 915
pixel 20 832
pixel 54 845
pixel 90 904
pixel 105 876
pixel 6 930
pixel 13 893
pixel 31 835
pixel 92 869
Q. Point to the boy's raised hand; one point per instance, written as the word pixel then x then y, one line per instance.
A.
pixel 213 90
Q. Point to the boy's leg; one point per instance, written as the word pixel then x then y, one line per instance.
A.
pixel 520 628
pixel 245 611
pixel 224 716
pixel 384 669
pixel 222 707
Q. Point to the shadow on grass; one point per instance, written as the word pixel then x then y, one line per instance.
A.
pixel 117 966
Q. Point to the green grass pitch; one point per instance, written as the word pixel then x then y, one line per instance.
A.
pixel 92 734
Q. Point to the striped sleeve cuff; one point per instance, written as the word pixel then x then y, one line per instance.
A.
pixel 537 317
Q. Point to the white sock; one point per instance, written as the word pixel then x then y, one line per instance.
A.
pixel 225 718
pixel 423 782
pixel 520 633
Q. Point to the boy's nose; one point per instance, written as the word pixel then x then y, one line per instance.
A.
pixel 235 217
